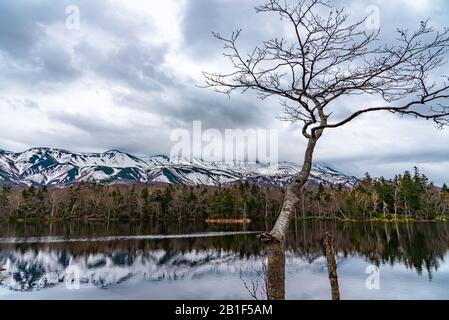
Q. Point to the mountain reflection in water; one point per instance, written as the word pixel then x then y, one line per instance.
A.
pixel 234 257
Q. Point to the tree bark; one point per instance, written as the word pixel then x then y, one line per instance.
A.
pixel 291 197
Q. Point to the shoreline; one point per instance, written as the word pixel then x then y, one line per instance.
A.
pixel 223 221
pixel 383 220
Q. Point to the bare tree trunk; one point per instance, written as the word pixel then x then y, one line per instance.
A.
pixel 331 265
pixel 291 197
pixel 276 271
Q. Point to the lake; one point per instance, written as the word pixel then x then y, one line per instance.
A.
pixel 196 261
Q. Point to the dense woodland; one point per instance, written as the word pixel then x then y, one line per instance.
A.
pixel 407 196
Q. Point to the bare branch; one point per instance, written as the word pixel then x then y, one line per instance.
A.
pixel 331 57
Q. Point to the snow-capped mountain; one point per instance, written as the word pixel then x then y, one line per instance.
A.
pixel 59 168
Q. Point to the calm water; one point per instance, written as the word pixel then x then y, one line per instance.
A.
pixel 187 261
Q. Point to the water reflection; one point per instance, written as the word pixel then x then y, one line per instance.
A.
pixel 276 271
pixel 105 264
pixel 329 252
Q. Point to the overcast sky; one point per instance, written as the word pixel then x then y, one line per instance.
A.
pixel 127 77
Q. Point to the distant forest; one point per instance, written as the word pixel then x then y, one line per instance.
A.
pixel 406 197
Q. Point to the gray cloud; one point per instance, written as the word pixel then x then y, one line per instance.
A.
pixel 96 134
pixel 202 17
pixel 32 56
pixel 21 25
pixel 132 64
pixel 49 73
pixel 217 112
pixel 28 52
pixel 20 103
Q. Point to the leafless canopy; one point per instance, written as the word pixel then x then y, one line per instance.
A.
pixel 329 57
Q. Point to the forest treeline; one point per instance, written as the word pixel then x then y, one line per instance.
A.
pixel 407 196
pixel 140 202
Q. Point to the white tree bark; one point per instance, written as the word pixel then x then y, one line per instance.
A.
pixel 292 194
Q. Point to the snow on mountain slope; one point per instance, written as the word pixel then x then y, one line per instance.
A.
pixel 59 168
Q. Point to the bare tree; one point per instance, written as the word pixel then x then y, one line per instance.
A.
pixel 330 58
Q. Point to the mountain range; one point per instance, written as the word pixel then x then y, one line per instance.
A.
pixel 60 168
